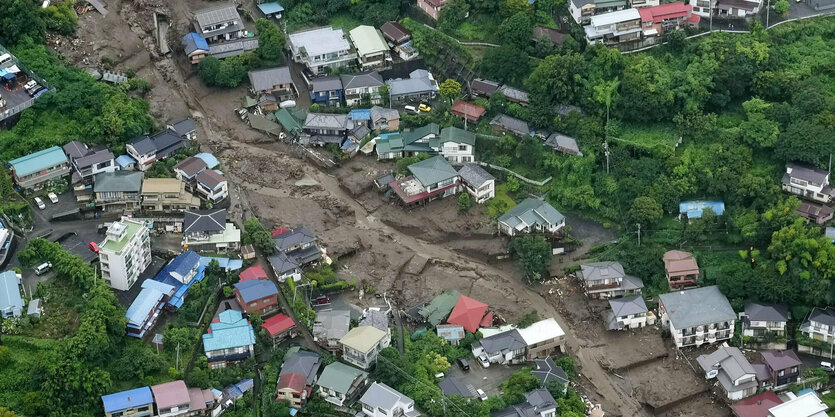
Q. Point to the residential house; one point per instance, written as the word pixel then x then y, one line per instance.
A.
pixel 212 186
pixel 385 119
pixel 138 402
pixel 195 47
pixel 420 85
pixel 381 400
pixel 87 162
pixel 372 50
pixel 273 81
pixel 756 406
pixel 542 339
pixel 483 88
pixel 253 272
pixel 409 142
pixel 432 7
pixel 187 170
pixel 504 348
pixel 297 377
pixel 538 403
pixel 327 91
pixel 118 190
pixel 330 326
pixel 280 327
pixel 167 195
pixel 395 33
pixel 681 269
pixel 378 319
pixel 299 244
pixel 184 128
pixel 455 144
pixel 271 10
pixel 735 374
pixel 285 267
pixel 728 8
pixel 323 128
pixel 233 392
pixel 783 367
pixel 608 280
pixel 431 179
pixel 468 111
pixel 531 216
pixel 219 23
pixel 148 149
pixel 546 371
pixel 124 253
pixel 815 213
pixel 808 183
pixel 361 345
pixel 660 19
pixel 468 313
pixel 233 48
pixel 820 324
pixel 125 162
pixel 257 296
pixel 208 230
pixel 508 125
pixel 146 308
pixel 477 182
pixel 452 333
pixel 11 303
pixel 583 10
pixel 693 209
pixel 35 308
pixel 564 144
pixel 340 384
pixel 230 338
pixel 697 316
pixel 453 386
pixel 321 50
pixel 763 319
pixel 363 85
pixel 614 27
pixel 176 399
pixel 33 170
pixel 627 313
pixel 436 310
pixel 806 405
pixel 514 95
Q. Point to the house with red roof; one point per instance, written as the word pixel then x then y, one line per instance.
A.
pixel 756 406
pixel 468 313
pixel 253 272
pixel 656 20
pixel 280 327
pixel 467 110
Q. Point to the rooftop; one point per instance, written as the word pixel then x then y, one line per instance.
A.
pixel 255 289
pixel 541 331
pixel 677 262
pixel 10 291
pixel 467 313
pixel 204 221
pixel 474 175
pixel 419 81
pixel 213 15
pixel 546 370
pixel 340 377
pixel 615 17
pixel 362 79
pixel 781 359
pixel 432 171
pixel 127 399
pixel 806 405
pixel 395 32
pixel 118 181
pixel 132 227
pixel 383 397
pixel 438 309
pixel 38 161
pixel 766 311
pixel 697 307
pixel 320 41
pixel 231 331
pixel 368 40
pixel 531 211
pixel 622 307
pixel 277 324
pixel 520 127
pixel 363 338
pixel 757 406
pixel 693 209
pixel 170 394
pixel 162 185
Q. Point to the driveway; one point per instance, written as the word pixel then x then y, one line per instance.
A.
pixel 487 379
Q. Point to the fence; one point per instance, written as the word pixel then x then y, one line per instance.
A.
pixel 520 177
pixel 16 109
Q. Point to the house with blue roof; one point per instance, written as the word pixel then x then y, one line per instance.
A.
pixel 11 303
pixel 147 307
pixel 693 209
pixel 138 402
pixel 257 296
pixel 195 47
pixel 183 268
pixel 33 170
pixel 271 9
pixel 360 117
pixel 230 339
pixel 125 162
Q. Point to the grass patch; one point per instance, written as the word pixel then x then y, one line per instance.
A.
pixel 16 378
pixel 648 136
pixel 344 21
pixel 501 203
pixel 829 399
pixel 473 30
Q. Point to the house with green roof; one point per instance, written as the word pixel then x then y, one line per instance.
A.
pixel 530 216
pixel 33 170
pixel 431 179
pixel 341 384
pixel 292 120
pixel 230 339
pixel 454 144
pixel 372 50
pixel 118 190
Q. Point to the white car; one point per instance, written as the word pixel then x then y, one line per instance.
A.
pixel 53 198
pixel 40 203
pixel 30 84
pixel 481 394
pixel 482 360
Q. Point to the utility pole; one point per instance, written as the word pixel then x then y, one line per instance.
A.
pixel 767 13
pixel 710 13
pixel 178 356
pixel 606 152
pixel 639 234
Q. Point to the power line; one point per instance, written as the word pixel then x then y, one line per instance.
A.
pixel 412 378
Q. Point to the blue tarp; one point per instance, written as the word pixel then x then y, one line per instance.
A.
pixel 360 114
pixel 805 391
pixel 209 159
pixel 693 209
pixel 9 76
pixel 193 42
pixel 270 8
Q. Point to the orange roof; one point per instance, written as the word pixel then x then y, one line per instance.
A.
pixel 471 111
pixel 467 313
pixel 665 11
pixel 677 262
pixel 487 321
pixel 253 272
pixel 277 324
pixel 291 380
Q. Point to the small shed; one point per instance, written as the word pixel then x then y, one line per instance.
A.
pixel 248 251
pixel 35 308
pixel 271 9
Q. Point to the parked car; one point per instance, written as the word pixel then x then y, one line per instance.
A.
pixel 411 109
pixel 463 364
pixel 481 394
pixel 40 203
pixel 34 90
pixel 439 376
pixel 483 361
pixel 93 247
pixel 43 268
pixel 287 103
pixel 53 198
pixel 30 84
pixel 827 366
pixel 322 300
pixel 39 92
pixel 424 107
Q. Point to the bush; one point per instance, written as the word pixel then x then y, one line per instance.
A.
pixel 465 201
pixel 227 73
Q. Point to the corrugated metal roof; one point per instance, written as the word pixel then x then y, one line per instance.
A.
pixel 127 399
pixel 38 161
pixel 231 331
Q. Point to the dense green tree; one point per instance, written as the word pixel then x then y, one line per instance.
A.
pixel 465 201
pixel 519 383
pixel 645 211
pixel 806 141
pixel 271 41
pixel 506 64
pixel 19 19
pixel 452 15
pixel 647 84
pixel 258 236
pixel 450 89
pixel 757 130
pixel 534 254
pixel 517 30
pixel 556 80
pixel 61 17
pixel 781 7
pixel 512 7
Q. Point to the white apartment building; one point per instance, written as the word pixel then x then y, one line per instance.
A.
pixel 124 253
pixel 381 400
pixel 697 316
pixel 322 49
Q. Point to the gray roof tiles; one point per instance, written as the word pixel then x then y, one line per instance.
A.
pixel 697 307
pixel 601 270
pixel 143 145
pixel 326 121
pixel 93 158
pixel 505 341
pixel 474 175
pixel 806 173
pixel 823 315
pixel 419 81
pixel 531 211
pixel 781 359
pixel 378 113
pixel 326 84
pixel 362 80
pixel 183 127
pixel 562 143
pixel 546 370
pixel 380 395
pixel 216 14
pixel 75 149
pixel 303 363
pixel 626 306
pixel 766 312
pixel 293 238
pixel 730 364
pixel 118 181
pixel 453 386
pixel 331 324
pixel 267 79
pixel 204 221
pixel 514 125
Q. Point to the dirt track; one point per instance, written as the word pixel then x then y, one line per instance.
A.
pixel 409 255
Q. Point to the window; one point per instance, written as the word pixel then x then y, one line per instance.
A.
pixel 781 373
pixel 462 148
